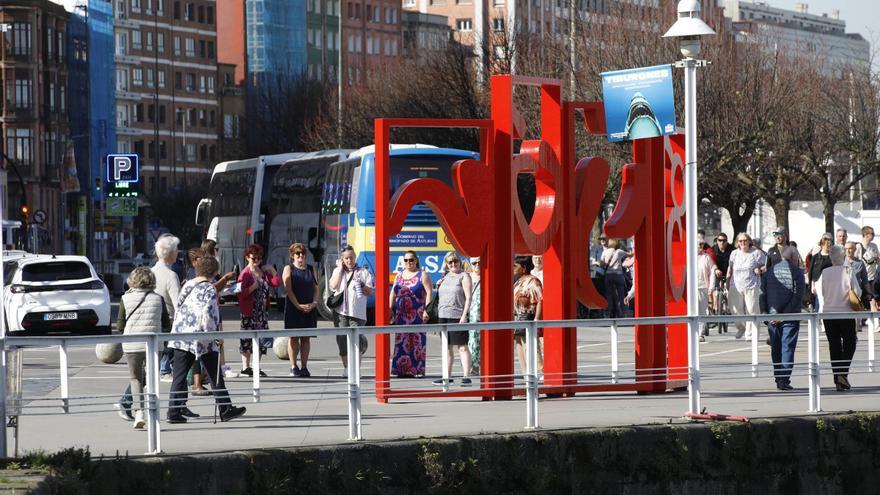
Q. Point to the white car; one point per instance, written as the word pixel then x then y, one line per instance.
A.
pixel 48 294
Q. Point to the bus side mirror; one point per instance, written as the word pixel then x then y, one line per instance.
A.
pixel 202 211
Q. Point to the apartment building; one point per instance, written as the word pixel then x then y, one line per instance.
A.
pixel 166 90
pixel 821 37
pixel 372 38
pixel 34 113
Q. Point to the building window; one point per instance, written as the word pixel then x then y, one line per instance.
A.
pixel 463 24
pixel 151 150
pixel 161 114
pixel 135 5
pixel 230 126
pixel 51 148
pixel 121 115
pixel 201 14
pixel 211 50
pixel 139 112
pixel 498 24
pixel 163 150
pixel 151 113
pixel 23 91
pixel 177 45
pixel 160 42
pixel 203 152
pixel 189 12
pixel 149 40
pixel 137 76
pixel 135 40
pixel 51 98
pixel 209 15
pixel 160 7
pixel 203 86
pixel 190 152
pixel 18 39
pixel 62 98
pixel 177 10
pixel 211 119
pixel 210 84
pixel 50 44
pixel 122 79
pixel 190 47
pixel 190 82
pixel 19 143
pixel 151 81
pixel 121 43
pixel 161 78
pixel 139 147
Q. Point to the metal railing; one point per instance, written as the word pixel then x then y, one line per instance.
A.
pixel 355 389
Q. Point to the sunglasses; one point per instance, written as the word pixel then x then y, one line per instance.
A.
pixel 453 261
pixel 409 260
pixel 298 253
pixel 475 263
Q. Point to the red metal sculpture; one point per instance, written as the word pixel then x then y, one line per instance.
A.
pixel 481 215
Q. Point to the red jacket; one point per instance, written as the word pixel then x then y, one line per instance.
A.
pixel 246 279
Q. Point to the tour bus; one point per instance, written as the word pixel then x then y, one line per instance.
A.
pixel 325 200
pixel 345 204
pixel 235 211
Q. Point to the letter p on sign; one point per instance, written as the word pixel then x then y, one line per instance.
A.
pixel 122 168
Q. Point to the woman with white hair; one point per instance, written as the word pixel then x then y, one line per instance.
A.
pixel 833 289
pixel 167 286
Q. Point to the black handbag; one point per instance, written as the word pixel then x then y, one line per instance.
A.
pixel 335 300
pixel 432 307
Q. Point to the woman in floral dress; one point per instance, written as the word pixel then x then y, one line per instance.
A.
pixel 474 315
pixel 409 296
pixel 197 311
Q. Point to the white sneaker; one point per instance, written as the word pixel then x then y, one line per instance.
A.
pixel 229 372
pixel 139 422
pixel 167 378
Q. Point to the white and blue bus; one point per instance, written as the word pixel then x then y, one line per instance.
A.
pixel 324 200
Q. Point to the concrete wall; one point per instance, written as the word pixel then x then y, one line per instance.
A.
pixel 821 455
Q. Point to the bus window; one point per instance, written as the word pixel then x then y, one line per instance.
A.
pixel 231 193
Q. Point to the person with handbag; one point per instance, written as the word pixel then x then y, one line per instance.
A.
pixel 410 295
pixel 141 311
pixel 528 303
pixel 300 306
pixel 198 311
pixel 453 306
pixel 782 291
pixel 351 285
pixel 253 302
pixel 838 290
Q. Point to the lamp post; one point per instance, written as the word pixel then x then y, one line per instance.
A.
pixel 688 29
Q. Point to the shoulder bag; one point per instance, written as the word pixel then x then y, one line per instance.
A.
pixel 855 302
pixel 335 300
pixel 432 308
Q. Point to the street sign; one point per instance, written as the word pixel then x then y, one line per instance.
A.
pixel 121 207
pixel 39 217
pixel 122 168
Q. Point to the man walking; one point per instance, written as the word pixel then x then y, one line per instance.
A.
pixel 774 254
pixel 782 290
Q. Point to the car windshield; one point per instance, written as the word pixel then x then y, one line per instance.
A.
pixel 9 268
pixel 56 270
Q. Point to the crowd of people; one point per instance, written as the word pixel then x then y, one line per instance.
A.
pixel 836 275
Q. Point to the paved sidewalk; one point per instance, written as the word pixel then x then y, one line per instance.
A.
pixel 314 411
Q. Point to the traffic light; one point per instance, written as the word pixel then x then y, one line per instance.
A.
pixel 25 215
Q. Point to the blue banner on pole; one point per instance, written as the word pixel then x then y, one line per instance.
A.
pixel 639 103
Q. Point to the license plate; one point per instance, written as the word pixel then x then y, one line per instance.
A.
pixel 59 316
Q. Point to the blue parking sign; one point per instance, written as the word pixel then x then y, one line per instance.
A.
pixel 122 168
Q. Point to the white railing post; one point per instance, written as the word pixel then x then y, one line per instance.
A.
pixel 693 342
pixel 151 397
pixel 3 391
pixel 754 347
pixel 255 364
pixel 354 385
pixel 813 356
pixel 532 376
pixel 871 328
pixel 444 359
pixel 615 360
pixel 62 364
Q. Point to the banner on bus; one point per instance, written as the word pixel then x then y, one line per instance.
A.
pixel 639 103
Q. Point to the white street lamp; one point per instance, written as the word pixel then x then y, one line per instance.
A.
pixel 688 29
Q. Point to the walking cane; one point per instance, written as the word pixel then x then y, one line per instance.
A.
pixel 217 381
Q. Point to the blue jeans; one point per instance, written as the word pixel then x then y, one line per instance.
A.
pixel 783 341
